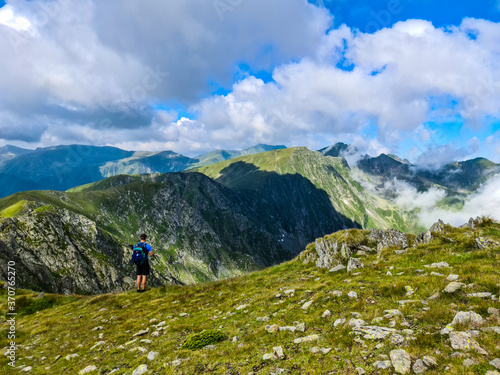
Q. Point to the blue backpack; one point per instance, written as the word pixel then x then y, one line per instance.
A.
pixel 139 253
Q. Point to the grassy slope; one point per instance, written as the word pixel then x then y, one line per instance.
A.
pixel 327 173
pixel 66 324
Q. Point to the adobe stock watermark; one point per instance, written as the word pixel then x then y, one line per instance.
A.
pixel 11 313
pixel 224 6
pixel 47 11
pixel 486 88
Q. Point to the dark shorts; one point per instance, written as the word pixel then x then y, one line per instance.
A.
pixel 143 269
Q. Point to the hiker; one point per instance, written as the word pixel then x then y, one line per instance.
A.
pixel 143 264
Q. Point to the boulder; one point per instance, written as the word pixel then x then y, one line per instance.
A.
pixel 401 361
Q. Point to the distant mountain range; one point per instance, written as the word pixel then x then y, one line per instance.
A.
pixel 64 167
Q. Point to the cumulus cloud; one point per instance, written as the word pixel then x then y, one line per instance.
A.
pixel 397 74
pixel 71 61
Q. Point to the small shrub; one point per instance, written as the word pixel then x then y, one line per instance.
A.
pixel 27 306
pixel 204 338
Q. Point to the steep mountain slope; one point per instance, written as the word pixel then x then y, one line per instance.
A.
pixel 398 311
pixel 200 229
pixel 331 175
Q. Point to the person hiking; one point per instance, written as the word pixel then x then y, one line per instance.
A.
pixel 143 267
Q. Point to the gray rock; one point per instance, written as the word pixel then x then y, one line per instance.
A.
pixel 306 339
pixel 492 373
pixel 142 369
pixel 306 305
pixel 357 322
pixel 453 287
pixel 88 369
pixel 401 361
pixel 452 278
pixel 469 362
pixel 141 332
pixel 383 365
pixel 301 327
pixel 152 355
pixel 337 293
pixel 493 311
pixel 337 268
pixel 496 363
pixel 326 252
pixel 278 352
pixel 400 252
pixel 397 339
pixel 468 317
pixel 210 347
pixel 437 227
pixel 354 263
pixel 430 361
pixel 326 314
pixel 345 251
pixel 419 367
pixel 28 369
pixel 288 328
pixel 97 344
pixel 438 265
pixel 481 243
pixel 339 321
pixel 373 332
pixel 325 351
pixel 360 371
pixel 388 238
pixel 464 341
pixel 352 295
pixel 267 357
pixel 272 328
pixel 71 356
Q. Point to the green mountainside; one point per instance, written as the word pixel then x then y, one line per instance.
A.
pixel 331 175
pixel 354 302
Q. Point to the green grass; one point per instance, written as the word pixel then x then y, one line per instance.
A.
pixel 62 325
pixel 13 210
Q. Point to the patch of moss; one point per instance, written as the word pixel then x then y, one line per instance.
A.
pixel 204 338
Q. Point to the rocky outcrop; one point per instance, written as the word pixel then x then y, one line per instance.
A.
pixel 388 238
pixel 63 252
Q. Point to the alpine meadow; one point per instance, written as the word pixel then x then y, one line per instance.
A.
pixel 242 187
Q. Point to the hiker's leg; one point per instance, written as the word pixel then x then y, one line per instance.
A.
pixel 139 282
pixel 144 282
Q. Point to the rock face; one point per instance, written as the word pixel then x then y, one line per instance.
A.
pixel 387 238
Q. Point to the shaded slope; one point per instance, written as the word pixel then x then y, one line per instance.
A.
pixel 329 174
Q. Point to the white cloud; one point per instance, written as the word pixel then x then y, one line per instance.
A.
pixel 8 18
pixel 67 59
pixel 398 73
pixel 484 202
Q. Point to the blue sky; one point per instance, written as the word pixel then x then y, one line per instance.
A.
pixel 403 77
